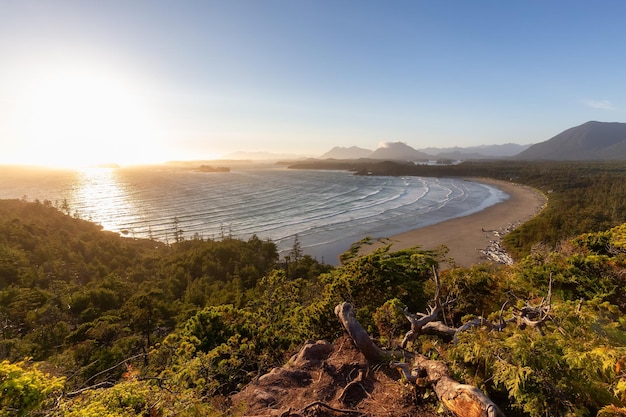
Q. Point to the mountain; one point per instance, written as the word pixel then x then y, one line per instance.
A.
pixel 393 151
pixel 353 152
pixel 589 141
pixel 477 152
pixel 401 151
pixel 398 151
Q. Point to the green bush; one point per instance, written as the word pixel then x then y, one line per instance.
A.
pixel 25 388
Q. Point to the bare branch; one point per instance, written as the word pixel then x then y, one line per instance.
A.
pixel 502 323
pixel 470 324
pixel 104 384
pixel 535 316
pixel 418 324
pixel 114 366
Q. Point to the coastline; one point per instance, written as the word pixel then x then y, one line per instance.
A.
pixel 470 239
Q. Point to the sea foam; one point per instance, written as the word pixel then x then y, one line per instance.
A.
pixel 327 210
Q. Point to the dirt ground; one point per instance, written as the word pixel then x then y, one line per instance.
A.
pixel 331 380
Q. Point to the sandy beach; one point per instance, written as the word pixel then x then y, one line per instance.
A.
pixel 468 237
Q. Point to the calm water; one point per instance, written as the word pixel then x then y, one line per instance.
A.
pixel 328 210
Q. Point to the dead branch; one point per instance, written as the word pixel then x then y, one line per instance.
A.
pixel 423 323
pixel 535 316
pixel 104 384
pixel 501 322
pixel 527 316
pixel 463 400
pixel 123 362
pixel 437 328
pixel 477 322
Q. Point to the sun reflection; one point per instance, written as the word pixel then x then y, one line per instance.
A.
pixel 99 196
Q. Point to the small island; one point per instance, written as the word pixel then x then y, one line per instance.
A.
pixel 209 168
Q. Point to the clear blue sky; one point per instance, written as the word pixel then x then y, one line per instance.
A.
pixel 193 79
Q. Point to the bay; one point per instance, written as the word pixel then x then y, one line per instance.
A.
pixel 326 210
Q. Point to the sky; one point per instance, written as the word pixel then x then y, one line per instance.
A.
pixel 138 81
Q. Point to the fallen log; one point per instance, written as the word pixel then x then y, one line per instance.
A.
pixel 461 399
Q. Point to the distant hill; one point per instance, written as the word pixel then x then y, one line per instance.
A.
pixel 353 152
pixel 398 151
pixel 589 141
pixel 477 152
pixel 404 152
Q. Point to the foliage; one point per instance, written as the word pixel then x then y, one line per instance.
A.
pixel 570 370
pixel 576 367
pixel 128 398
pixel 201 318
pixel 62 275
pixel 477 290
pixel 367 283
pixel 221 348
pixel 389 319
pixel 213 353
pixel 26 388
pixel 133 397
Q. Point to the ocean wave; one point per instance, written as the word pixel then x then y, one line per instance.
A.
pixel 327 210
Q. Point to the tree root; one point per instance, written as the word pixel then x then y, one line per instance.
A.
pixel 336 410
pixel 349 385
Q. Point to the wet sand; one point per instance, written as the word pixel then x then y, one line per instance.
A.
pixel 467 237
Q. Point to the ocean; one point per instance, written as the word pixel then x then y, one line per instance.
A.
pixel 327 210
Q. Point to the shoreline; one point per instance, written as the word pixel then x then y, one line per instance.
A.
pixel 474 238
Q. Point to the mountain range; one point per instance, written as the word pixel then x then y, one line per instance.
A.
pixel 402 151
pixel 590 141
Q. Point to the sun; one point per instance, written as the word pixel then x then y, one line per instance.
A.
pixel 77 118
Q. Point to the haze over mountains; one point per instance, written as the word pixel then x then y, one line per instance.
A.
pixel 590 141
pixel 402 151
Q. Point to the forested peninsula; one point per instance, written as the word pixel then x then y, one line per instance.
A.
pixel 95 324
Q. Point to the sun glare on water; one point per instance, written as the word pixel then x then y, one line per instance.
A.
pixel 81 118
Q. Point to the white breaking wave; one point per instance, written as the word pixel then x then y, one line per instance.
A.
pixel 327 210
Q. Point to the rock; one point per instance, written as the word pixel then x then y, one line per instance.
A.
pixel 312 353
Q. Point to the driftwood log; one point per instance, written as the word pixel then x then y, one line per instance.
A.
pixel 463 400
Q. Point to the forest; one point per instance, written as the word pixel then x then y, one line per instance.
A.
pixel 95 324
